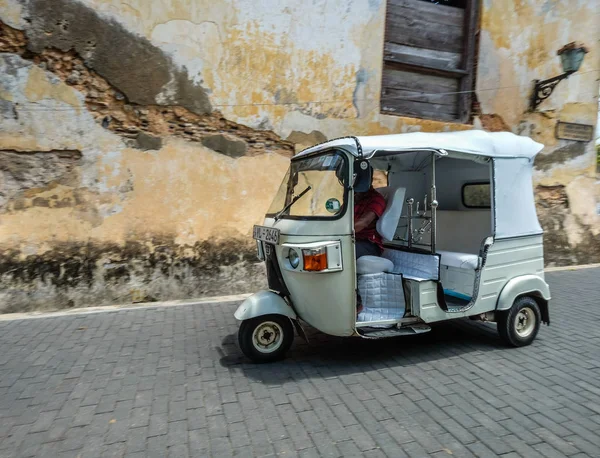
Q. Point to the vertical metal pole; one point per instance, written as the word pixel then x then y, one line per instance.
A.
pixel 410 203
pixel 434 204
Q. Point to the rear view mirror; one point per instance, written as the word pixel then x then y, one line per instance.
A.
pixel 363 174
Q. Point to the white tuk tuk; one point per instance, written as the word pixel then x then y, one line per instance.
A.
pixel 461 239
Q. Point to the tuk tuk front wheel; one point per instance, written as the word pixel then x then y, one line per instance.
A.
pixel 519 325
pixel 266 338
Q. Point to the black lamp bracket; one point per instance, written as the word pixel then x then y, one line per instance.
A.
pixel 543 89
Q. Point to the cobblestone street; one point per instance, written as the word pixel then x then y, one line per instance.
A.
pixel 171 381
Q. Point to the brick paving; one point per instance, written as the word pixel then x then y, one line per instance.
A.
pixel 171 382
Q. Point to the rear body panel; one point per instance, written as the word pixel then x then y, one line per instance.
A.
pixel 506 259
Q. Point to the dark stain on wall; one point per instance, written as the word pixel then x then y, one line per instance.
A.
pixel 559 156
pixel 21 171
pixel 8 110
pixel 553 209
pixel 147 142
pixel 77 274
pixel 140 70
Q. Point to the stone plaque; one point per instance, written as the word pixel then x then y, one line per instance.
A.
pixel 573 131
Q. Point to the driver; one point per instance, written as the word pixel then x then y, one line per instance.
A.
pixel 368 208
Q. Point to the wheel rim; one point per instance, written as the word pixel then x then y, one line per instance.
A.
pixel 267 337
pixel 525 322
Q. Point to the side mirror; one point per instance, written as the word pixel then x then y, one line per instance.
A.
pixel 363 174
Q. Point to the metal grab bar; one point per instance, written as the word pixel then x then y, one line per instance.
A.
pixel 431 221
pixel 434 204
pixel 416 235
pixel 410 203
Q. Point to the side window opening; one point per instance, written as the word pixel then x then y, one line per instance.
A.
pixel 476 195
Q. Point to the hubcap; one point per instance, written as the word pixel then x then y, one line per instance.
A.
pixel 525 322
pixel 267 337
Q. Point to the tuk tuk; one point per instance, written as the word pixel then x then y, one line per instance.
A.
pixel 460 231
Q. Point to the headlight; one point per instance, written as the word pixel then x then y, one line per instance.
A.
pixel 293 258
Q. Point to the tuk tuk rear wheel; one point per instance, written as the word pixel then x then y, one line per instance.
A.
pixel 266 338
pixel 519 325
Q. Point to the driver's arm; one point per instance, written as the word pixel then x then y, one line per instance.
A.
pixel 364 221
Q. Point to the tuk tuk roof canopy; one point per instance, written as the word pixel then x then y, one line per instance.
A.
pixel 513 205
pixel 476 142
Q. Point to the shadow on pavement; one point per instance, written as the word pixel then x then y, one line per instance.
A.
pixel 328 356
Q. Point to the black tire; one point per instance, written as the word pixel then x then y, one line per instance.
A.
pixel 283 337
pixel 515 325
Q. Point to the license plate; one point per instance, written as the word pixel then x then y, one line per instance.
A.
pixel 266 234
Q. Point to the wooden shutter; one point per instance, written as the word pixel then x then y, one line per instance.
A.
pixel 428 59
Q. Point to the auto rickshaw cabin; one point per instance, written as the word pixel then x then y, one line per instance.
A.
pixel 462 238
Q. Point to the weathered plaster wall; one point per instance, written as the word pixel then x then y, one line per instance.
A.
pixel 105 200
pixel 519 41
pixel 139 143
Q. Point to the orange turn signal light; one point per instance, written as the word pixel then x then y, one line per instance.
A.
pixel 315 260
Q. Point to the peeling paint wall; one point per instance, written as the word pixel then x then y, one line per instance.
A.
pixel 519 41
pixel 140 142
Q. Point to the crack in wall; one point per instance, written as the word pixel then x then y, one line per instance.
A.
pixel 112 109
pixel 559 156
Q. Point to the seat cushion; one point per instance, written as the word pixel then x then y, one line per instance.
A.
pixel 412 265
pixel 382 296
pixel 373 265
pixel 460 260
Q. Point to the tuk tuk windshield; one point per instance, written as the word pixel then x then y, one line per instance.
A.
pixel 318 185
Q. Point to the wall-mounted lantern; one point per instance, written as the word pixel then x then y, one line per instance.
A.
pixel 571 57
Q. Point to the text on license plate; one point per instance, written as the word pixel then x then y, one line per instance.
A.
pixel 266 234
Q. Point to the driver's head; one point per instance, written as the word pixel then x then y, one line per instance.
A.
pixel 370 186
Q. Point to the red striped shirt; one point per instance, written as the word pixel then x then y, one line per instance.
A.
pixel 375 203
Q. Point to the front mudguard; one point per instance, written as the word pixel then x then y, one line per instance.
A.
pixel 264 303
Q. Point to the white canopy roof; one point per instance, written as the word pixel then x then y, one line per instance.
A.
pixel 477 142
pixel 513 199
